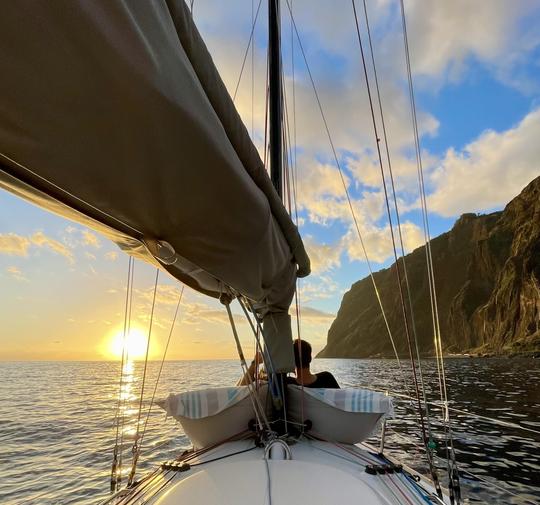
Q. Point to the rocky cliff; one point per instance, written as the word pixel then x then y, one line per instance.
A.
pixel 487 270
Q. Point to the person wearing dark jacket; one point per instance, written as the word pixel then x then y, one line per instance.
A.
pixel 304 377
pixel 302 361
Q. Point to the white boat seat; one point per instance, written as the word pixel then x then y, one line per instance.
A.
pixel 209 416
pixel 339 415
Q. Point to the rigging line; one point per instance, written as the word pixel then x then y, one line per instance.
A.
pixel 219 458
pixel 297 306
pixel 433 295
pixel 114 476
pixel 257 331
pixel 290 181
pixel 274 392
pixel 259 411
pixel 294 181
pixel 399 281
pixel 269 480
pixel 252 74
pixel 398 219
pixel 267 91
pixel 247 51
pixel 287 148
pixel 129 306
pixel 161 366
pixel 383 178
pixel 135 448
pixel 377 294
pixel 433 292
pixel 501 488
pixel 462 470
pixel 493 420
pixel 354 462
pixel 415 488
pixel 136 234
pixel 385 482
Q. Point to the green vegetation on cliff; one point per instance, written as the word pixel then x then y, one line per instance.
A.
pixel 487 271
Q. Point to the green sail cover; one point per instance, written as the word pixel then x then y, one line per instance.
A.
pixel 113 114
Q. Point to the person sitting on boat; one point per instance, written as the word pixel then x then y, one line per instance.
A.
pixel 304 377
pixel 302 361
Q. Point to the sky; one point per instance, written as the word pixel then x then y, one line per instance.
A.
pixel 476 73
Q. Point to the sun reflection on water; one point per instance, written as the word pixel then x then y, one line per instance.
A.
pixel 127 413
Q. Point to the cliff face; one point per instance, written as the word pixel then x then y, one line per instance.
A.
pixel 487 274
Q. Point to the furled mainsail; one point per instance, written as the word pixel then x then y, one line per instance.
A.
pixel 113 114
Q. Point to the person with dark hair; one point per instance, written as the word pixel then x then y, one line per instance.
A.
pixel 302 361
pixel 304 377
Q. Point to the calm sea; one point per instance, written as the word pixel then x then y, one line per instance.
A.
pixel 57 422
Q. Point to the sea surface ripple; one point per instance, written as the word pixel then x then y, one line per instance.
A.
pixel 57 422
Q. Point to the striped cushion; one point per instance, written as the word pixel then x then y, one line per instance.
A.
pixel 204 402
pixel 354 400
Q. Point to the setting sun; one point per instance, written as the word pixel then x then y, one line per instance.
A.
pixel 135 344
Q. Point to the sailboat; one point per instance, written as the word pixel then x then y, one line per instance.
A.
pixel 113 115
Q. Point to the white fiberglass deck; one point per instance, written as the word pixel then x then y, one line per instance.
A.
pixel 318 473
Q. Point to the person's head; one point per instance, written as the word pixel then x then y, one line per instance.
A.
pixel 302 353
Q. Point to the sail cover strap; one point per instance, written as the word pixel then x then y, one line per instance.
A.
pixel 113 114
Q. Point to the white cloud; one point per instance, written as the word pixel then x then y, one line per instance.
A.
pixel 197 313
pixel 111 255
pixel 446 37
pixel 321 287
pixel 18 245
pixel 41 240
pixel 14 244
pixel 378 243
pixel 323 256
pixel 489 172
pixel 16 273
pixel 90 239
pixel 165 294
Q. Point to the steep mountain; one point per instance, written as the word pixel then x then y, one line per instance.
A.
pixel 487 272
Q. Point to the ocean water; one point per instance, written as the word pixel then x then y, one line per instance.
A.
pixel 57 422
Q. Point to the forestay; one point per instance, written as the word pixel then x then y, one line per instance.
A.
pixel 113 114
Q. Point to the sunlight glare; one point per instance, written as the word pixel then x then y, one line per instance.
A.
pixel 135 344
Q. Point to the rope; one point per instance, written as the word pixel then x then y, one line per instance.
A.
pixel 135 448
pixel 489 482
pixel 273 385
pixel 246 52
pixel 396 207
pixel 252 74
pixel 398 273
pixel 116 468
pixel 338 165
pixel 259 411
pixel 257 331
pixel 115 480
pixel 127 362
pixel 461 411
pixel 161 367
pixel 433 293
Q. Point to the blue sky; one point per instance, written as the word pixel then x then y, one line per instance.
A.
pixel 476 70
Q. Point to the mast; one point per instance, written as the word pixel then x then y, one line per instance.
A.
pixel 274 49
